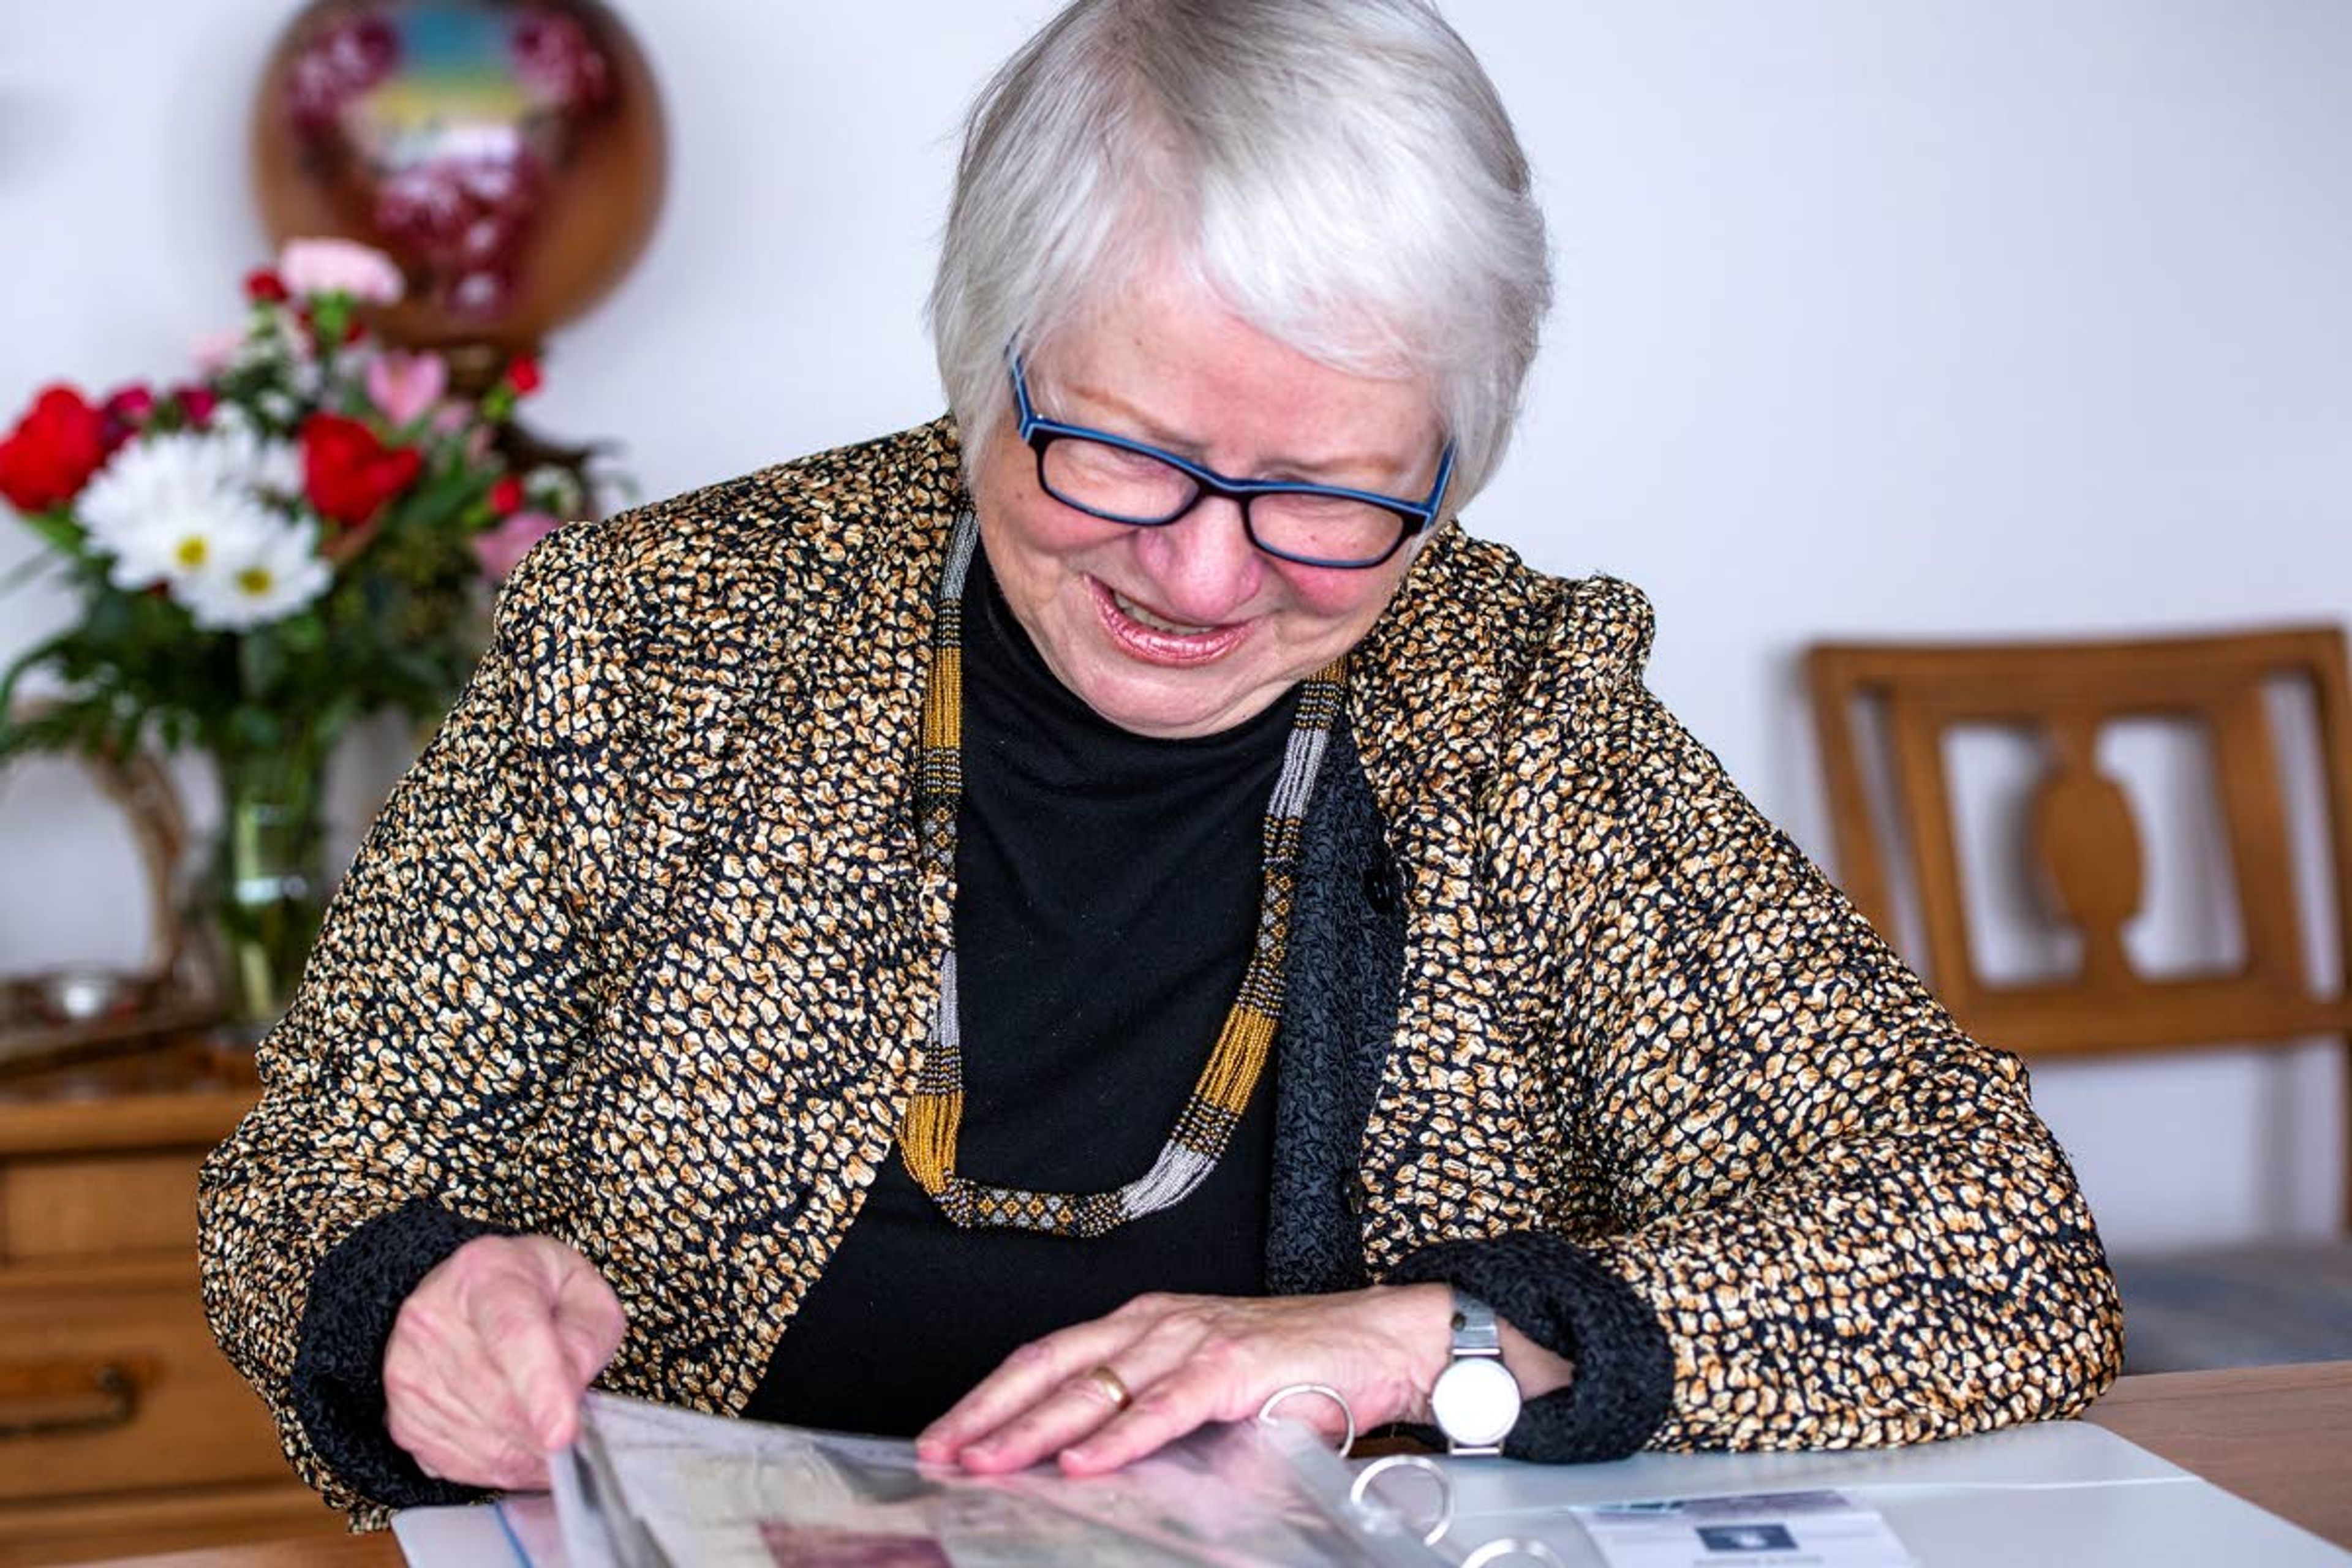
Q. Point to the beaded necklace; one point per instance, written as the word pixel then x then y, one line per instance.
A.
pixel 927 1140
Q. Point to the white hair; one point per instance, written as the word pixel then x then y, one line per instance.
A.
pixel 1339 173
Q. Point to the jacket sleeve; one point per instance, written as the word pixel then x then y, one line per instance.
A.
pixel 1841 1212
pixel 420 1068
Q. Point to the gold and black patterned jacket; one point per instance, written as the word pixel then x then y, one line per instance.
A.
pixel 640 952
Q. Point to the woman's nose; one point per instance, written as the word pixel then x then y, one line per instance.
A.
pixel 1202 567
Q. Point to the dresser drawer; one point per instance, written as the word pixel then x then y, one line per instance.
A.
pixel 110 1381
pixel 67 1207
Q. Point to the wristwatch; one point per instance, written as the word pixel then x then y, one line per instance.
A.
pixel 1476 1400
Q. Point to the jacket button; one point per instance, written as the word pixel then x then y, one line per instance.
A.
pixel 1380 889
pixel 1352 1187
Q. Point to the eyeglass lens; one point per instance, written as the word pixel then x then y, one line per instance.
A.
pixel 1134 487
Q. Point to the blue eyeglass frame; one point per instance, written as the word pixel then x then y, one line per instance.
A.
pixel 1038 433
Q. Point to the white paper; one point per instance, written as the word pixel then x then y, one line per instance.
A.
pixel 1763 1530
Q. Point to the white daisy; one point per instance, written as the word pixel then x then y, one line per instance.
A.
pixel 267 577
pixel 170 505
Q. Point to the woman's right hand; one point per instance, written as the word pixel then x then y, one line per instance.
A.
pixel 487 1363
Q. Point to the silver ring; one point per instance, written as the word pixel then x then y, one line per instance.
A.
pixel 1266 1411
pixel 1434 1531
pixel 1504 1546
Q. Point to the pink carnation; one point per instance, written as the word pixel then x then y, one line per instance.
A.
pixel 315 267
pixel 501 549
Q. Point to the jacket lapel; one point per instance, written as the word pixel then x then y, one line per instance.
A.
pixel 1444 1151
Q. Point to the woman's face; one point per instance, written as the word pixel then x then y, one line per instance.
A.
pixel 1189 629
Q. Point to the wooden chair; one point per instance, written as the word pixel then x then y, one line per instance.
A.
pixel 2214 1307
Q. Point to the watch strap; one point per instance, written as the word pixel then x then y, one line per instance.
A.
pixel 1476 1330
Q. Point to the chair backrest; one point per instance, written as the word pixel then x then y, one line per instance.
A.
pixel 2082 833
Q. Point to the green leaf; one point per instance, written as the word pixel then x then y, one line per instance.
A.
pixel 59 532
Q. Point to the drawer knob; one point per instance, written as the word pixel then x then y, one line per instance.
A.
pixel 52 1398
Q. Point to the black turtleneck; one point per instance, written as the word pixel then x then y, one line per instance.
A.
pixel 1107 898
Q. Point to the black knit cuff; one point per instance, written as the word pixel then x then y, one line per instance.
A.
pixel 338 1385
pixel 1552 1291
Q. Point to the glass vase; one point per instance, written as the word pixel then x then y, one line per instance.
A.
pixel 267 885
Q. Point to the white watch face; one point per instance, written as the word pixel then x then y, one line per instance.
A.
pixel 1476 1401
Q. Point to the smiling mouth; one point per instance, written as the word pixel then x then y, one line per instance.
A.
pixel 1142 617
pixel 1148 636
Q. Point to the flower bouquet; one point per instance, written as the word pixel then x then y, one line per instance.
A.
pixel 295 539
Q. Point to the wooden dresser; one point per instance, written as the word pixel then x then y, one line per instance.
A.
pixel 122 1428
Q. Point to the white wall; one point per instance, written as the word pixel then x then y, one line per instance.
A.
pixel 1946 316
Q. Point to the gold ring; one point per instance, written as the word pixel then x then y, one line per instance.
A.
pixel 1111 1386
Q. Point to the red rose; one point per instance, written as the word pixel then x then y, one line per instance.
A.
pixel 196 405
pixel 124 411
pixel 264 286
pixel 132 402
pixel 506 496
pixel 523 375
pixel 52 452
pixel 348 473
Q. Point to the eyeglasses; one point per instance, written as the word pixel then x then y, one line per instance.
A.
pixel 1119 480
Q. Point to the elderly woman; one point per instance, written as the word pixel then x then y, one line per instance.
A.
pixel 1117 887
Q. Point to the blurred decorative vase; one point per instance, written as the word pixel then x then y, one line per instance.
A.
pixel 508 153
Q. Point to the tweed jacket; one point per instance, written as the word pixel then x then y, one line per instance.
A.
pixel 640 954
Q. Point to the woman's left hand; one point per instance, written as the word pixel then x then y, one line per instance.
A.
pixel 1187 1359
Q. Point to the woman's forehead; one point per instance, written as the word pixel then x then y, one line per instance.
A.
pixel 1166 360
